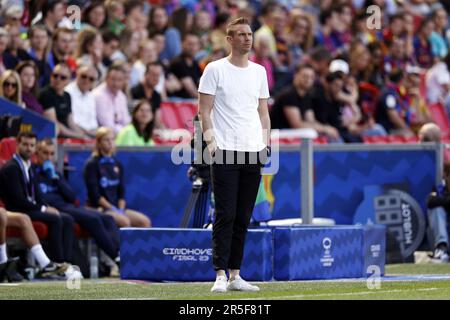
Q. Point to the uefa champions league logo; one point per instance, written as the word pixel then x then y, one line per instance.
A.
pixel 327 260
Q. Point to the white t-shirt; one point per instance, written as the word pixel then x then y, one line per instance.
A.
pixel 237 91
pixel 83 107
pixel 436 77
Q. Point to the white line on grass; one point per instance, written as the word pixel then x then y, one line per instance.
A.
pixel 342 294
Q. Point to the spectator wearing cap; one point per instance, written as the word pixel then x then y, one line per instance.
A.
pixel 82 100
pixel 392 111
pixel 110 101
pixel 57 104
pixel 39 44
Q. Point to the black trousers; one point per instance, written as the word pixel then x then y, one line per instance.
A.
pixel 235 187
pixel 100 226
pixel 60 234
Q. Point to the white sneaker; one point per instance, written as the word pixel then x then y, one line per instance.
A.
pixel 239 284
pixel 440 256
pixel 220 285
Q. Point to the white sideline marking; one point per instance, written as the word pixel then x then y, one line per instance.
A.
pixel 343 294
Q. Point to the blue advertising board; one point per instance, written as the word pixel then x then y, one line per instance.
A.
pixel 32 121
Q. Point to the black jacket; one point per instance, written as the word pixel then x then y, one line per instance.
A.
pixel 13 189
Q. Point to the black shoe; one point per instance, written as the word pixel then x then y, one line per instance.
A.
pixel 9 271
pixel 53 271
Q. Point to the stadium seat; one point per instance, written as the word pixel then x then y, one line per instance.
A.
pixel 375 139
pixel 80 232
pixel 186 113
pixel 413 139
pixel 7 148
pixel 169 115
pixel 440 117
pixel 75 141
pixel 40 228
pixel 321 140
pixel 396 139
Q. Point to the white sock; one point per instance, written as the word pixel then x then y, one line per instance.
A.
pixel 3 255
pixel 39 254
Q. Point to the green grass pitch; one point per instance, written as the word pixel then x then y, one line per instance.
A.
pixel 341 289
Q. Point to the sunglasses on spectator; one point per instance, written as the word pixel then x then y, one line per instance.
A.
pixel 59 76
pixel 10 84
pixel 85 77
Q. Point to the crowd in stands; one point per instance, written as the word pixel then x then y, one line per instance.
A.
pixel 331 65
pixel 335 66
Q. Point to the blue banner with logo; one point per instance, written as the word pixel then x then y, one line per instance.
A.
pixel 310 253
pixel 161 189
pixel 31 121
pixel 160 254
pixel 394 207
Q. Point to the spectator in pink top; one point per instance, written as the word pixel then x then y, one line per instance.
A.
pixel 110 101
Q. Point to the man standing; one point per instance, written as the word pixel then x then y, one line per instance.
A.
pixel 235 91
